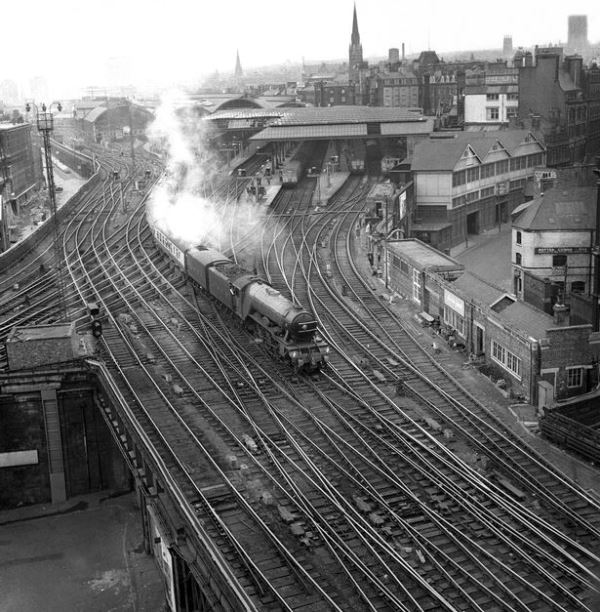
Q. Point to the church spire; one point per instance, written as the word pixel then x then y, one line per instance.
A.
pixel 238 66
pixel 355 38
pixel 355 52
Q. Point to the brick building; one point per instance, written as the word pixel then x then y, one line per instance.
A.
pixel 334 93
pixel 527 348
pixel 561 98
pixel 20 162
pixel 399 88
pixel 469 182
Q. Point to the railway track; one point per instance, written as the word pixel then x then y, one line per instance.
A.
pixel 568 515
pixel 326 492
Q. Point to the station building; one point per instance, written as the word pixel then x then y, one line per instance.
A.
pixel 469 182
pixel 540 357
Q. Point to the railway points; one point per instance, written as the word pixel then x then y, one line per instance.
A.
pixel 225 437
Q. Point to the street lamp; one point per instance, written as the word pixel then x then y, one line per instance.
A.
pixel 45 124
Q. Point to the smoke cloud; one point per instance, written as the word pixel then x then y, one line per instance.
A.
pixel 179 204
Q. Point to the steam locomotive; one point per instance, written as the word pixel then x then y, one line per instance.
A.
pixel 287 330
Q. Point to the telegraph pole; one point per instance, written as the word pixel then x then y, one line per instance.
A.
pixel 131 138
pixel 45 124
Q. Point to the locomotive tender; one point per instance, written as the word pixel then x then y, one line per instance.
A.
pixel 288 330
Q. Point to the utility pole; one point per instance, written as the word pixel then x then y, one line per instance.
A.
pixel 131 139
pixel 45 124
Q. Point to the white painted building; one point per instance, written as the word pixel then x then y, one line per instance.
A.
pixel 552 238
pixel 491 105
pixel 491 99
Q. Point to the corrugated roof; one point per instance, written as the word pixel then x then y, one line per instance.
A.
pixel 559 209
pixel 349 114
pixel 315 132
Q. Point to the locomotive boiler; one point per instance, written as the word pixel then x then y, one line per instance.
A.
pixel 288 330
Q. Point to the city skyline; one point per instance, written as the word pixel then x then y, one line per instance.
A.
pixel 164 43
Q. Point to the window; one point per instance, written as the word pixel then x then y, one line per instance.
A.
pixel 487 170
pixel 472 174
pixel 502 166
pixel 574 377
pixel 487 192
pixel 492 113
pixel 512 96
pixel 518 259
pixel 403 267
pixel 417 288
pixel 491 96
pixel 518 237
pixel 578 287
pixel 452 318
pixel 459 178
pixel 559 260
pixel 509 361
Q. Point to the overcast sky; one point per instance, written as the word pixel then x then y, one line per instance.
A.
pixel 69 42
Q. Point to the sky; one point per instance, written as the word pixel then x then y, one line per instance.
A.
pixel 70 42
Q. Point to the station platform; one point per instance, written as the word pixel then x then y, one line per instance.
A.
pixel 328 186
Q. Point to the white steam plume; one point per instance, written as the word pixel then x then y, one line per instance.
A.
pixel 177 204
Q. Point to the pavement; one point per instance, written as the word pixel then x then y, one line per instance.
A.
pixel 489 256
pixel 85 555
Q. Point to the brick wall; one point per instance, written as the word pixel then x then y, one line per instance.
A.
pixel 567 346
pixel 538 292
pixel 22 428
pixel 581 308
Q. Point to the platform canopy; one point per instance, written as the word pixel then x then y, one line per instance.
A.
pixel 321 123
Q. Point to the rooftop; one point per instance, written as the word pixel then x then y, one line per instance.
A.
pixel 517 314
pixel 425 256
pixel 560 209
pixel 442 153
pixel 41 332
